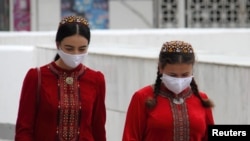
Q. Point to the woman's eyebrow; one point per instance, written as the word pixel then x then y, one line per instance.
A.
pixel 68 46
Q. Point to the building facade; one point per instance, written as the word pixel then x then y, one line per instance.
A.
pixel 40 15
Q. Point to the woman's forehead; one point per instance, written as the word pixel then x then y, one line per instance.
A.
pixel 178 68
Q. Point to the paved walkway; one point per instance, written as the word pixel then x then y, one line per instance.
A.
pixel 7 132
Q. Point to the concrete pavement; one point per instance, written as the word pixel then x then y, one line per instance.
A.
pixel 7 132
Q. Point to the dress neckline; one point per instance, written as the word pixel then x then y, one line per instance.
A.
pixel 59 69
pixel 176 98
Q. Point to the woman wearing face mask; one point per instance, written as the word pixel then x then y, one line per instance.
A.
pixel 171 109
pixel 67 101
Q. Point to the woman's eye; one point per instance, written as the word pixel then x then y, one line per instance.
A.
pixel 185 75
pixel 82 49
pixel 69 49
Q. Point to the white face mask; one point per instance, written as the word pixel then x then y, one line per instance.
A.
pixel 70 59
pixel 175 84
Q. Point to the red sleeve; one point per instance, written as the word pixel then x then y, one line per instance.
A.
pixel 27 107
pixel 99 113
pixel 135 122
pixel 209 121
pixel 209 117
pixel 209 114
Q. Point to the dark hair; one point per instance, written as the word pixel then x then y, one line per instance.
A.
pixel 170 57
pixel 69 29
pixel 56 57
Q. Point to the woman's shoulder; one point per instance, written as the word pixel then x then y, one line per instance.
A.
pixel 94 72
pixel 145 91
pixel 31 75
pixel 142 94
pixel 94 75
pixel 203 95
pixel 32 71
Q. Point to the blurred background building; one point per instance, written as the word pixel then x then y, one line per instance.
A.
pixel 40 15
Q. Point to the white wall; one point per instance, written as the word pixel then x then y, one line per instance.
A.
pixel 233 42
pixel 14 63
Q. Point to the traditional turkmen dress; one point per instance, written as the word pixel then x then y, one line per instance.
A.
pixel 168 121
pixel 70 105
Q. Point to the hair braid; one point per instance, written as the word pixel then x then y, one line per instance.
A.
pixel 205 102
pixel 151 102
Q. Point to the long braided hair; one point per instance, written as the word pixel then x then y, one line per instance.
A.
pixel 175 52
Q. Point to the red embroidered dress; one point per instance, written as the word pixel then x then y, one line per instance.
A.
pixel 70 106
pixel 168 121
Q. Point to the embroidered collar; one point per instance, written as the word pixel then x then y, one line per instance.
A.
pixel 176 99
